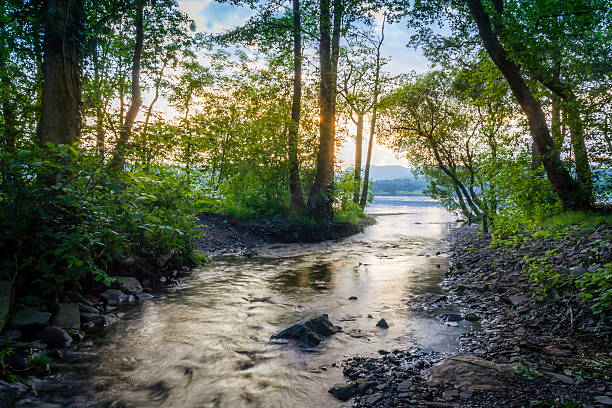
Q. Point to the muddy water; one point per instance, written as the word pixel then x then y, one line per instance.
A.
pixel 206 342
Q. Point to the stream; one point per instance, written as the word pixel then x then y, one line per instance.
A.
pixel 205 343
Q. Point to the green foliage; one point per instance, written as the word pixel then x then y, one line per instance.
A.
pixel 596 289
pixel 40 360
pixel 526 371
pixel 345 210
pixel 67 219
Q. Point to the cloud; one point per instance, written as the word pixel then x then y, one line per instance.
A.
pixel 214 17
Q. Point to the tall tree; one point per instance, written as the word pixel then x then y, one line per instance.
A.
pixel 61 117
pixel 320 197
pixel 136 101
pixel 295 184
pixel 377 89
pixel 567 189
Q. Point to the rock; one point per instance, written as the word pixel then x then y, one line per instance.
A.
pixel 373 399
pixel 55 337
pixel 30 319
pixel 353 298
pixel 114 296
pixel 559 377
pixel 471 373
pixel 404 386
pixel 516 300
pixel 6 299
pixel 110 319
pixel 68 316
pixel 144 296
pixel 342 391
pixel 450 317
pixel 310 332
pixel 92 320
pixel 520 331
pixel 382 323
pixel 129 284
pixel 450 394
pixel 471 317
pixel 429 298
pixel 88 309
pixel 366 385
pixel 604 400
pixel 12 334
pixel 128 261
pixel 163 260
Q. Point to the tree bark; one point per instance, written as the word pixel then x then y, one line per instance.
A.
pixel 61 115
pixel 136 101
pixel 565 187
pixel 295 184
pixel 581 158
pixel 320 200
pixel 358 153
pixel 555 127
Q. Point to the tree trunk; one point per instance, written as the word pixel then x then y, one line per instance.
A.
pixel 366 176
pixel 555 127
pixel 358 153
pixel 583 170
pixel 295 184
pixel 61 116
pixel 566 188
pixel 136 101
pixel 320 200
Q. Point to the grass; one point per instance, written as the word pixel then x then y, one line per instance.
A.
pixel 581 218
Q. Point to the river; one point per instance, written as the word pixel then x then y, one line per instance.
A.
pixel 205 343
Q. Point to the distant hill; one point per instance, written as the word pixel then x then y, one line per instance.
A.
pixel 399 187
pixel 390 173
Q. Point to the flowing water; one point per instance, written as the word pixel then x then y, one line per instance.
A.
pixel 206 342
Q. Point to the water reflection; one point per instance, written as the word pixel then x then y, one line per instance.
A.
pixel 206 343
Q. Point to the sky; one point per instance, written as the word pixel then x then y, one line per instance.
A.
pixel 213 17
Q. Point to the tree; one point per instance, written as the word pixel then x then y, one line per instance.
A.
pixel 377 89
pixel 61 116
pixel 136 101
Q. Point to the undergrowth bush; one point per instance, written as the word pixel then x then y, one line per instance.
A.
pixel 67 218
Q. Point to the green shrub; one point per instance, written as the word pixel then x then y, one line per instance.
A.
pixel 66 218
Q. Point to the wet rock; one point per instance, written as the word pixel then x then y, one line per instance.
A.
pixel 342 391
pixel 68 316
pixel 55 337
pixel 144 296
pixel 429 298
pixel 110 319
pixel 471 373
pixel 163 260
pixel 353 298
pixel 6 299
pixel 30 319
pixel 382 323
pixel 471 317
pixel 310 332
pixel 114 296
pixel 450 317
pixel 88 309
pixel 129 284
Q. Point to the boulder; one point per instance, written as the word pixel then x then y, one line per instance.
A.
pixel 129 284
pixel 342 391
pixel 382 323
pixel 30 319
pixel 55 337
pixel 471 373
pixel 114 296
pixel 68 316
pixel 310 332
pixel 6 298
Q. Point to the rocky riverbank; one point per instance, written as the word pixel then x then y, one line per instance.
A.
pixel 533 350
